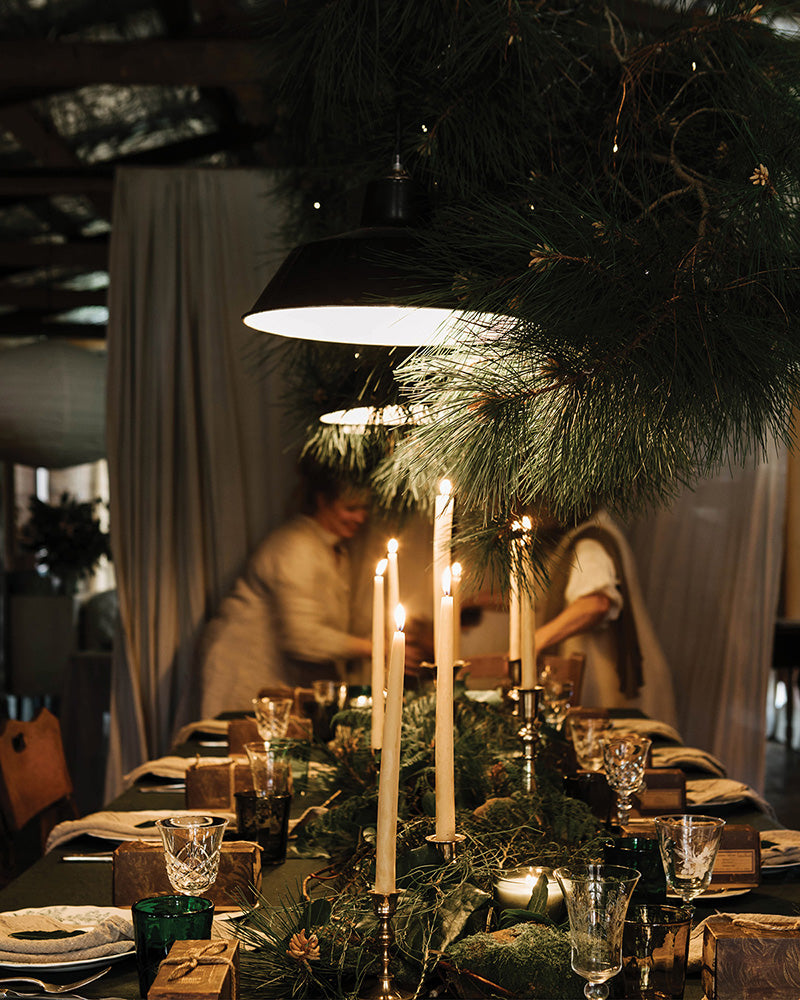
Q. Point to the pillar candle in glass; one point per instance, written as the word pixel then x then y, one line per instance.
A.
pixel 386 835
pixel 527 625
pixel 445 788
pixel 378 677
pixel 442 538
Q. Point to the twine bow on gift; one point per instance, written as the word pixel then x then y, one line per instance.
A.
pixel 211 954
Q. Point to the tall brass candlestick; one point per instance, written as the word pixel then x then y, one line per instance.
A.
pixel 530 703
pixel 385 905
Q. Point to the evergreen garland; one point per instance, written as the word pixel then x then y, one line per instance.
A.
pixel 620 182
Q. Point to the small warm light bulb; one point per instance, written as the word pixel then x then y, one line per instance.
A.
pixel 424 128
pixel 615 148
pixel 380 569
pixel 392 546
pixel 446 581
pixel 694 66
pixel 400 617
pixel 317 205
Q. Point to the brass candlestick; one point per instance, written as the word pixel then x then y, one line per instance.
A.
pixel 385 905
pixel 515 676
pixel 447 848
pixel 530 702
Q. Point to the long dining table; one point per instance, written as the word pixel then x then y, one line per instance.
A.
pixel 51 880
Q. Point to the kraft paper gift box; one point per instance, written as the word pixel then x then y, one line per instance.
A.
pixel 212 786
pixel 198 970
pixel 751 956
pixel 139 870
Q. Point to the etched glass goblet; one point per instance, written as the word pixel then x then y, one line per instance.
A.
pixel 688 846
pixel 558 697
pixel 272 717
pixel 191 851
pixel 625 758
pixel 597 898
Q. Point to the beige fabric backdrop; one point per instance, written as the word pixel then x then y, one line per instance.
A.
pixel 199 459
pixel 710 571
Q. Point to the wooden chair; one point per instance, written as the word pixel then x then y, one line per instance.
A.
pixel 562 669
pixel 34 778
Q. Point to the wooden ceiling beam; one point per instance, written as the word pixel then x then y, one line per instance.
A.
pixel 42 298
pixel 45 65
pixel 27 324
pixel 89 255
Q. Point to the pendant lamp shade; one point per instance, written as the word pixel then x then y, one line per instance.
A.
pixel 52 405
pixel 350 289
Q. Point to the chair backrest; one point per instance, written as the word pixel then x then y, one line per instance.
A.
pixel 33 771
pixel 564 668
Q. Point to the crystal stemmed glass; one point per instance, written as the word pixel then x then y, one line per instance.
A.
pixel 597 898
pixel 688 846
pixel 272 717
pixel 191 851
pixel 625 758
pixel 558 697
pixel 587 733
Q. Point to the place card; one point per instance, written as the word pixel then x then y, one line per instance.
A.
pixel 738 861
pixel 139 871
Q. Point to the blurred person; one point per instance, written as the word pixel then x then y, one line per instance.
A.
pixel 286 623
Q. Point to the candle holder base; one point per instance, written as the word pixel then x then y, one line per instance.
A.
pixel 515 672
pixel 447 848
pixel 530 703
pixel 385 905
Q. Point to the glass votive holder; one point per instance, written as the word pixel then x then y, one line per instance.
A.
pixel 655 951
pixel 641 853
pixel 263 817
pixel 513 890
pixel 270 766
pixel 160 921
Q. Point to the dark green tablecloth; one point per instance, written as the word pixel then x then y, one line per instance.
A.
pixel 52 881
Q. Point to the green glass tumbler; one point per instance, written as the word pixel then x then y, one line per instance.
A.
pixel 160 921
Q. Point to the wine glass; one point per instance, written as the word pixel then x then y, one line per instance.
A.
pixel 597 898
pixel 272 717
pixel 191 850
pixel 558 697
pixel 688 846
pixel 625 758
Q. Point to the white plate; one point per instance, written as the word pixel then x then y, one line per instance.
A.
pixel 83 915
pixel 782 866
pixel 710 894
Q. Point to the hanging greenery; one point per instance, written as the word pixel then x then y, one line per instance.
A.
pixel 619 181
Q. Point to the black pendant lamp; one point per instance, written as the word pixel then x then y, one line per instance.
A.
pixel 348 289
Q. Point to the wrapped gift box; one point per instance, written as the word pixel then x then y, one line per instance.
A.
pixel 664 792
pixel 198 970
pixel 212 786
pixel 139 870
pixel 751 957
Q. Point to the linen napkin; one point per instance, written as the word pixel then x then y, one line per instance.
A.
pixel 211 727
pixel 780 847
pixel 689 758
pixel 64 933
pixel 648 727
pixel 169 767
pixel 724 791
pixel 760 921
pixel 124 825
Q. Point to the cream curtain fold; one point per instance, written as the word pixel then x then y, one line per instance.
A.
pixel 199 459
pixel 710 570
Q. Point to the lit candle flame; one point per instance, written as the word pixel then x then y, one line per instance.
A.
pixel 392 546
pixel 400 617
pixel 455 570
pixel 445 488
pixel 380 569
pixel 446 581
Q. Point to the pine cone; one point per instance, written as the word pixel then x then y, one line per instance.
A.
pixel 303 948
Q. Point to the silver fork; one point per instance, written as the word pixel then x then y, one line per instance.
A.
pixel 52 987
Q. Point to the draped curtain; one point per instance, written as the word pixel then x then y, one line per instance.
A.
pixel 199 459
pixel 710 570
